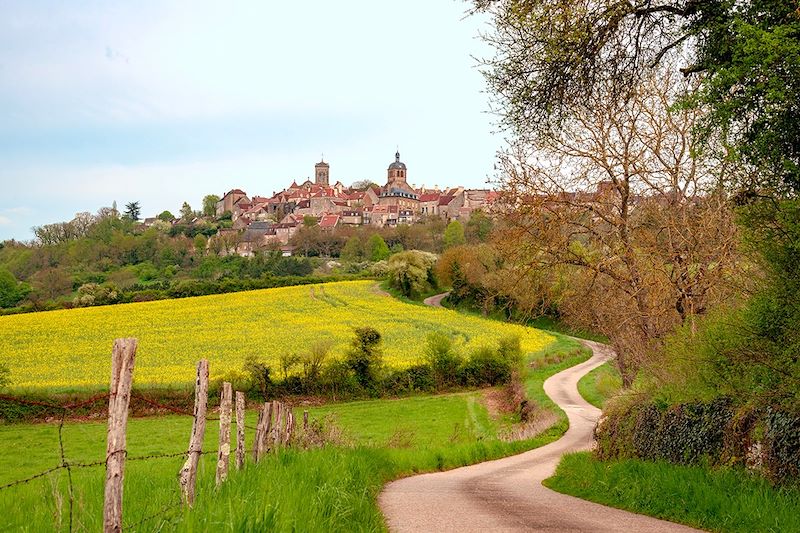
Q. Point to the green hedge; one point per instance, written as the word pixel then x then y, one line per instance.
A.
pixel 714 432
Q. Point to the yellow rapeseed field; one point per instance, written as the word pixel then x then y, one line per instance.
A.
pixel 71 348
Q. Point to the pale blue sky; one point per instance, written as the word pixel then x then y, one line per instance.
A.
pixel 163 102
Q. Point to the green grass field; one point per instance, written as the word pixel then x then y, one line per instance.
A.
pixel 717 500
pixel 601 384
pixel 70 349
pixel 329 489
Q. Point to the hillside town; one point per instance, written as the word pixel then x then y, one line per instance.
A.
pixel 260 221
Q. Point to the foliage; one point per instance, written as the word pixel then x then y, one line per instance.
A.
pixel 442 358
pixel 65 348
pixel 259 375
pixel 713 432
pixel 95 294
pixel 479 227
pixel 210 205
pixel 376 248
pixel 411 272
pixel 365 357
pixel 166 216
pixel 132 211
pixel 725 500
pixel 740 353
pixel 454 234
pixel 11 291
pixel 313 361
pixel 186 211
pixel 494 366
pixel 553 55
pixel 353 250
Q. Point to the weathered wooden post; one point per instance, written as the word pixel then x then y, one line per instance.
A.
pixel 270 409
pixel 123 357
pixel 276 430
pixel 240 401
pixel 188 474
pixel 259 432
pixel 305 421
pixel 224 450
pixel 287 440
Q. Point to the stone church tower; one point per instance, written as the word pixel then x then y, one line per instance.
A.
pixel 396 174
pixel 322 174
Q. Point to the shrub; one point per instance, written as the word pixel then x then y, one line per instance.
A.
pixel 260 378
pixel 364 357
pixel 417 378
pixel 486 366
pixel 313 361
pixel 240 380
pixel 710 432
pixel 338 379
pixel 445 363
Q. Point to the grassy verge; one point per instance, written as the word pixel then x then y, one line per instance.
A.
pixel 601 384
pixel 717 500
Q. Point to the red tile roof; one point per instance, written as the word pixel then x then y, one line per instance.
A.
pixel 429 197
pixel 329 221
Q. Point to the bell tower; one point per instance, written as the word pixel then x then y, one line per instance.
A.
pixel 322 173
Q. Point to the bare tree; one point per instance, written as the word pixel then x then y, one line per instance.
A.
pixel 619 203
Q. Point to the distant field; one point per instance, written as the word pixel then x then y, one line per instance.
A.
pixel 71 348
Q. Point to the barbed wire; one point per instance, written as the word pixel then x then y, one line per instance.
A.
pixel 67 465
pixel 164 510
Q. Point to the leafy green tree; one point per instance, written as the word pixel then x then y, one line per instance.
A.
pixel 200 242
pixel 364 357
pixel 479 226
pixel 454 234
pixel 411 272
pixel 132 211
pixel 210 205
pixel 166 216
pixel 11 291
pixel 376 248
pixel 186 212
pixel 353 251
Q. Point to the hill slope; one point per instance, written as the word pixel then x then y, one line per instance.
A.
pixel 69 348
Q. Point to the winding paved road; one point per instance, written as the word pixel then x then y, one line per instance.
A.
pixel 507 494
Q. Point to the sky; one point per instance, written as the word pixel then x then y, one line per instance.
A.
pixel 163 102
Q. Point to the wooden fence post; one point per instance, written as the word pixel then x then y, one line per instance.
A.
pixel 270 409
pixel 259 431
pixel 188 474
pixel 305 421
pixel 224 450
pixel 240 400
pixel 276 430
pixel 123 357
pixel 287 440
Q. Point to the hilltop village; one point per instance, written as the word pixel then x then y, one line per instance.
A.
pixel 260 221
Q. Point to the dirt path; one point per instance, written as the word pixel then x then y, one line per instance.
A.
pixel 507 494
